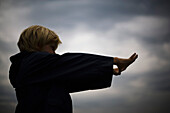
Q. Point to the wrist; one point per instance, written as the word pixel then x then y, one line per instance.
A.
pixel 115 60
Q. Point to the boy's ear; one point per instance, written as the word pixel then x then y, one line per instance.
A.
pixel 38 48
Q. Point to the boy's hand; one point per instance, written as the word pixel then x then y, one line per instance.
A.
pixel 122 64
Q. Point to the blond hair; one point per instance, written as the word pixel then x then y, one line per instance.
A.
pixel 35 37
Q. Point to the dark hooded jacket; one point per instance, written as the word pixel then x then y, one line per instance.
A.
pixel 43 81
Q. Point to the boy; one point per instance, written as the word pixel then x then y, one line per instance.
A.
pixel 43 79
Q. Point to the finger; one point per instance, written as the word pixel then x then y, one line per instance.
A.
pixel 132 56
pixel 116 72
pixel 135 57
pixel 119 69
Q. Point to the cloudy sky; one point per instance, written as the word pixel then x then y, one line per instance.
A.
pixel 105 27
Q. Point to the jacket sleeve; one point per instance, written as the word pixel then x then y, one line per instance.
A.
pixel 73 71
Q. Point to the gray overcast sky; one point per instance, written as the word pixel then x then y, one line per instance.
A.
pixel 104 27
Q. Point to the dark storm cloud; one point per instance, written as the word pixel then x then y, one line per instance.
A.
pixel 6 47
pixel 7 96
pixel 159 80
pixel 158 39
pixel 156 7
pixel 152 97
pixel 97 15
pixel 68 13
pixel 145 7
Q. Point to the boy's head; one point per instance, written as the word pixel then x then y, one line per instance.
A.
pixel 35 37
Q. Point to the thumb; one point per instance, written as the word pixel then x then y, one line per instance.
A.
pixel 116 71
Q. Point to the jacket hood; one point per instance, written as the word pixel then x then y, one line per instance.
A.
pixel 15 66
pixel 26 65
pixel 17 57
